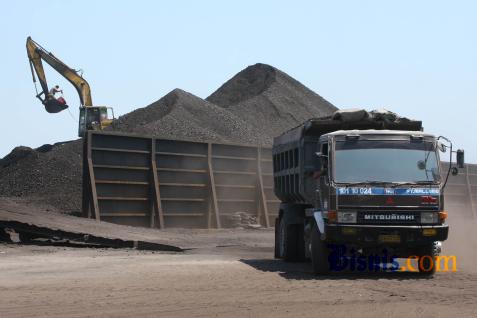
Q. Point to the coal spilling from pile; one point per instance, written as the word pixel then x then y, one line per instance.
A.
pixel 257 104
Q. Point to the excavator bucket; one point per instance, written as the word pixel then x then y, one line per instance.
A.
pixel 55 105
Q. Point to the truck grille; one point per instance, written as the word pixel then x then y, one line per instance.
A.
pixel 388 217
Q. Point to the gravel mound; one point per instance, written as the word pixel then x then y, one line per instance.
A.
pixel 257 104
pixel 263 94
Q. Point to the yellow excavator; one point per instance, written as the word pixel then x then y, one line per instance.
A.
pixel 91 117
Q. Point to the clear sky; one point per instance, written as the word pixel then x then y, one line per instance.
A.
pixel 417 58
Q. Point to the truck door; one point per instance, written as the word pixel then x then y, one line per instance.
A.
pixel 323 182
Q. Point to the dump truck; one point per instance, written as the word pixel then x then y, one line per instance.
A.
pixel 360 190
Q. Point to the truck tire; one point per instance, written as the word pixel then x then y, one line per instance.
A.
pixel 277 241
pixel 300 242
pixel 291 245
pixel 319 253
pixel 427 259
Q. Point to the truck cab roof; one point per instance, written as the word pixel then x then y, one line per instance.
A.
pixel 376 132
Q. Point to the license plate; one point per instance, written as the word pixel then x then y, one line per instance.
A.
pixel 389 238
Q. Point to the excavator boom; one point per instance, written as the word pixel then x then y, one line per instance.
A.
pixel 36 54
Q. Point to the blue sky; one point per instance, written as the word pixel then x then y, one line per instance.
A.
pixel 417 58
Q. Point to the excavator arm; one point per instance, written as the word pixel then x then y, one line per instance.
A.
pixel 36 54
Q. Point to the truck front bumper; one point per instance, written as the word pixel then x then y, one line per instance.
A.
pixel 385 234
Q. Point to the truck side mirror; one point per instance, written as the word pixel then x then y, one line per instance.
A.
pixel 460 158
pixel 441 147
pixel 322 166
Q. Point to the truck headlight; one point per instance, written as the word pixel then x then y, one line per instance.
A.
pixel 347 216
pixel 429 217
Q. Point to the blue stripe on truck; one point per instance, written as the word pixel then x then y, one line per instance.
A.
pixel 385 191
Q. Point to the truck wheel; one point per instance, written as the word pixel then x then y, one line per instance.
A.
pixel 319 253
pixel 300 242
pixel 291 242
pixel 427 259
pixel 277 240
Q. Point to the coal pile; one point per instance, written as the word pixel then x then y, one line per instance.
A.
pixel 263 94
pixel 182 115
pixel 257 104
pixel 16 155
pixel 50 177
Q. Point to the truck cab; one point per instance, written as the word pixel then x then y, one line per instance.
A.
pixel 374 193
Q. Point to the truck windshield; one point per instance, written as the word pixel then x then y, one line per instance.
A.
pixel 385 161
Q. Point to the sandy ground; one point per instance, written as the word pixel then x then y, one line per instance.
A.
pixel 225 273
pixel 218 281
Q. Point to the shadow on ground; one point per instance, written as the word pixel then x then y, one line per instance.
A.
pixel 303 271
pixel 59 244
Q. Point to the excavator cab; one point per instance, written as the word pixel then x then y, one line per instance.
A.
pixel 94 118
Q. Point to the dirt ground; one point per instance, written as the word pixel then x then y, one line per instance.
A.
pixel 222 280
